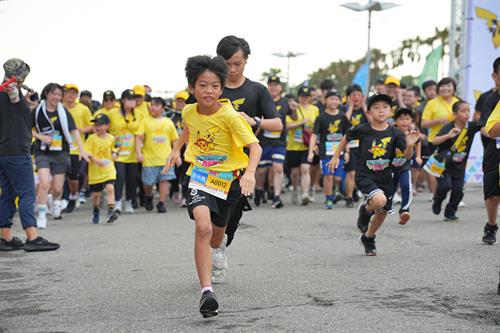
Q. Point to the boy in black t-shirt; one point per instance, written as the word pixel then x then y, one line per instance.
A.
pixel 329 127
pixel 454 141
pixel 374 173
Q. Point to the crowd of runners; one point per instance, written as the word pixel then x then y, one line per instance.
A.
pixel 226 141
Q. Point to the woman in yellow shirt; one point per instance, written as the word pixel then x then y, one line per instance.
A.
pixel 125 127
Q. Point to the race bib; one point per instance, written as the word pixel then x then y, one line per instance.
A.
pixel 56 143
pixel 272 135
pixel 126 144
pixel 216 183
pixel 353 144
pixel 298 136
pixel 159 139
pixel 331 147
pixel 434 166
pixel 105 163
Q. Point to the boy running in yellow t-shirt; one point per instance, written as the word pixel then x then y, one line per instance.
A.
pixel 102 172
pixel 157 134
pixel 215 135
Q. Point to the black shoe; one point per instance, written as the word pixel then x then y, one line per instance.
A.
pixel 355 196
pixel 148 203
pixel 436 207
pixel 451 218
pixel 71 206
pixel 142 199
pixel 369 244
pixel 349 203
pixel 363 218
pixel 135 205
pixel 112 216
pixel 490 234
pixel 270 195
pixel 12 245
pixel 277 203
pixel 39 244
pixel 259 194
pixel 161 207
pixel 209 305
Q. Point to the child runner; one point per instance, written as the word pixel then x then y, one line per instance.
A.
pixel 157 134
pixel 374 175
pixel 215 135
pixel 330 126
pixel 102 172
pixel 404 120
pixel 454 142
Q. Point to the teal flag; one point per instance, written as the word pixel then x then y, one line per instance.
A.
pixel 430 71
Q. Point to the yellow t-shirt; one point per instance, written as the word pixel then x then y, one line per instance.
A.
pixel 438 108
pixel 493 119
pixel 101 149
pixel 158 136
pixel 294 139
pixel 103 111
pixel 82 116
pixel 124 131
pixel 142 110
pixel 216 141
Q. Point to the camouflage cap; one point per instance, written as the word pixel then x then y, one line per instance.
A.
pixel 16 67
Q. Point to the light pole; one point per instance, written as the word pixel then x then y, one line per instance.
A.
pixel 370 6
pixel 288 55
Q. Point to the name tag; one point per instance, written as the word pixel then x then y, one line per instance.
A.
pixel 331 147
pixel 272 135
pixel 298 136
pixel 353 144
pixel 216 183
pixel 56 143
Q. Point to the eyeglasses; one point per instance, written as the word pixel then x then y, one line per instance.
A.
pixel 108 100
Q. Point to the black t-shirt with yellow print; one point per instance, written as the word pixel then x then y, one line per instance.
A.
pixel 330 129
pixel 376 151
pixel 268 138
pixel 58 138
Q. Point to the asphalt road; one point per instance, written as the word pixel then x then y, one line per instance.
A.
pixel 296 270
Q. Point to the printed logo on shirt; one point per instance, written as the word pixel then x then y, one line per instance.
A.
pixel 206 143
pixel 356 120
pixel 334 127
pixel 399 159
pixel 206 161
pixel 278 108
pixel 236 103
pixel 380 149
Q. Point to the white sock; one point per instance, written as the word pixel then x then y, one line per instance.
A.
pixel 206 288
pixel 73 196
pixel 42 210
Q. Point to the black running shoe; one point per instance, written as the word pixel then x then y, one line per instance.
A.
pixel 112 216
pixel 148 203
pixel 277 203
pixel 39 244
pixel 349 203
pixel 71 206
pixel 363 218
pixel 490 234
pixel 259 194
pixel 369 244
pixel 12 245
pixel 209 305
pixel 135 204
pixel 436 207
pixel 451 218
pixel 161 207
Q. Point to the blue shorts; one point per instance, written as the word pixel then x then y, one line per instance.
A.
pixel 152 175
pixel 339 172
pixel 272 154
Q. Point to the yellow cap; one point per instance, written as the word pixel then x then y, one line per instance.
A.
pixel 69 86
pixel 139 90
pixel 391 80
pixel 182 95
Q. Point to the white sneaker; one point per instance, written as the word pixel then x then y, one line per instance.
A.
pixel 461 204
pixel 431 199
pixel 56 209
pixel 218 276
pixel 128 207
pixel 64 204
pixel 396 199
pixel 82 198
pixel 50 204
pixel 41 221
pixel 219 262
pixel 118 207
pixel 311 195
pixel 77 203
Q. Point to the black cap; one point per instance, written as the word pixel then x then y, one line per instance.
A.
pixel 274 79
pixel 332 93
pixel 101 119
pixel 304 91
pixel 128 94
pixel 86 93
pixel 108 94
pixel 378 98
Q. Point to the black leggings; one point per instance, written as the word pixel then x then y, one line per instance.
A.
pixel 446 183
pixel 126 173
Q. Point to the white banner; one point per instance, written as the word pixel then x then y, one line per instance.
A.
pixel 482 48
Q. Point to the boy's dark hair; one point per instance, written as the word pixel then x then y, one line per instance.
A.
pixel 196 65
pixel 327 84
pixel 159 100
pixel 404 111
pixel 50 88
pixel 428 83
pixel 402 85
pixel 496 65
pixel 229 45
pixel 456 105
pixel 447 80
pixel 353 88
pixel 415 89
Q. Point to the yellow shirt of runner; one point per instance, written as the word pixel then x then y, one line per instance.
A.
pixel 124 129
pixel 216 141
pixel 438 108
pixel 159 133
pixel 142 110
pixel 294 138
pixel 104 111
pixel 82 116
pixel 493 119
pixel 101 149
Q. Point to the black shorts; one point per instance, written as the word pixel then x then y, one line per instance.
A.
pixel 295 158
pixel 220 210
pixel 101 186
pixel 353 160
pixel 369 188
pixel 491 187
pixel 74 170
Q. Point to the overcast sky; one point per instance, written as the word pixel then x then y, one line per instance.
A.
pixel 115 44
